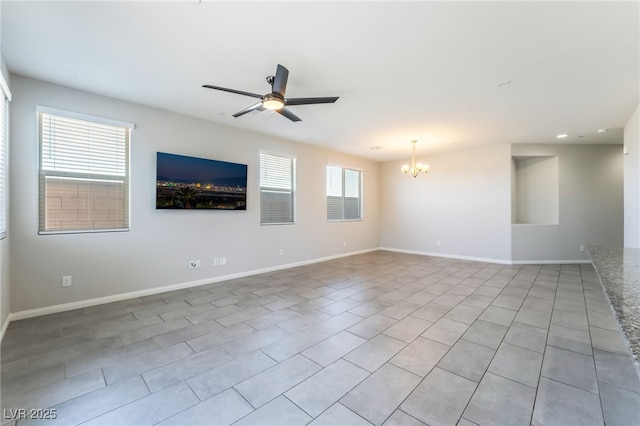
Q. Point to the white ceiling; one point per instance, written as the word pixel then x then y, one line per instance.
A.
pixel 403 70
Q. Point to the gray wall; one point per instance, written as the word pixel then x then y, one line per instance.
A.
pixel 156 251
pixel 632 181
pixel 464 202
pixel 591 204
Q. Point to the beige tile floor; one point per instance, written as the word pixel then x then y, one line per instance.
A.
pixel 380 338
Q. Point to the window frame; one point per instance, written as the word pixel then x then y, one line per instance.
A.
pixel 82 176
pixel 343 168
pixel 5 98
pixel 293 190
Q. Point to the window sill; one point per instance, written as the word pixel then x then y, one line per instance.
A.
pixel 84 231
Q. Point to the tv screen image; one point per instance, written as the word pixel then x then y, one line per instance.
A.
pixel 187 183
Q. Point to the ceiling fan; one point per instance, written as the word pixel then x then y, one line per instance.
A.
pixel 276 100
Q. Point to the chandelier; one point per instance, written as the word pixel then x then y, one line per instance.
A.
pixel 415 169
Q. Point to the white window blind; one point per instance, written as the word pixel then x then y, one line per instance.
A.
pixel 84 173
pixel 344 194
pixel 4 142
pixel 277 188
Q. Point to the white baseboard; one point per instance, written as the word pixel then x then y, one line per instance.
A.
pixel 488 260
pixel 30 313
pixel 550 262
pixel 449 256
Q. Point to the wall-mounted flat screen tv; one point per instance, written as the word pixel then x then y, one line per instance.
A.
pixel 184 183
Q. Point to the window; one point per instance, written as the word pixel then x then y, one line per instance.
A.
pixel 344 193
pixel 277 189
pixel 84 173
pixel 5 97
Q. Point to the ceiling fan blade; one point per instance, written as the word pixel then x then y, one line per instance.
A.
pixel 280 80
pixel 254 107
pixel 309 101
pixel 239 92
pixel 287 113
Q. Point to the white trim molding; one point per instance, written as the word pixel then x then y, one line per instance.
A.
pixel 448 256
pixel 551 262
pixel 489 260
pixel 86 117
pixel 5 87
pixel 31 313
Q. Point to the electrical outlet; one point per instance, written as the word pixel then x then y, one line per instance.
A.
pixel 438 243
pixel 581 247
pixel 281 252
pixel 193 264
pixel 66 281
pixel 344 243
pixel 216 261
pixel 223 260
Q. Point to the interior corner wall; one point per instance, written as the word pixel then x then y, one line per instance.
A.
pixel 464 203
pixel 156 251
pixel 590 209
pixel 632 181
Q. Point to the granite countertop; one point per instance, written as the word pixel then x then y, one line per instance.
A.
pixel 619 272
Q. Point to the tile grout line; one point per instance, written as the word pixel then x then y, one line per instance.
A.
pixel 595 366
pixel 546 340
pixel 412 280
pixel 336 402
pixel 501 342
pixel 445 354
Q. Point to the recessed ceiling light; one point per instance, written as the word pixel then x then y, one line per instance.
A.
pixel 602 130
pixel 503 83
pixel 562 136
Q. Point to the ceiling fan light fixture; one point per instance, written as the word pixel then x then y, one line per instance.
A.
pixel 275 101
pixel 272 102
